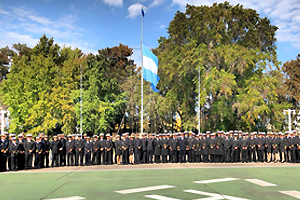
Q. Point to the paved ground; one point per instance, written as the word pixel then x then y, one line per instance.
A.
pixel 170 182
pixel 160 166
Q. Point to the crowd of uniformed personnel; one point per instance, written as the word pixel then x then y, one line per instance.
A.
pixel 18 152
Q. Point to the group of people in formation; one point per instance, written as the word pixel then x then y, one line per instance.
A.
pixel 18 152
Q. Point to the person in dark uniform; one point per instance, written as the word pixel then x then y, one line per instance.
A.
pixel 157 149
pixel 197 148
pixel 137 150
pixel 218 148
pixel 70 148
pixel 252 147
pixel 227 148
pixel 47 150
pixel 235 147
pixel 260 147
pixel 275 147
pixel 14 151
pixel 39 149
pixel 212 147
pixel 244 147
pixel 21 153
pixel 118 152
pixel 293 147
pixel 191 147
pixel 144 148
pixel 29 147
pixel 182 145
pixel 9 157
pixel 4 148
pixel 173 149
pixel 101 150
pixel 108 150
pixel 62 149
pixel 125 149
pixel 55 147
pixel 88 147
pixel 205 147
pixel 79 146
pixel 131 149
pixel 96 151
pixel 150 147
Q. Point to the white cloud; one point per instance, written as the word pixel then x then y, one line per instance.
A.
pixel 162 26
pixel 9 38
pixel 285 14
pixel 116 3
pixel 3 12
pixel 156 3
pixel 63 29
pixel 135 10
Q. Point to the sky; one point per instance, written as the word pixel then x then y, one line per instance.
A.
pixel 95 24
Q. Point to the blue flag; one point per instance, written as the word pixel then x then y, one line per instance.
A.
pixel 143 13
pixel 150 68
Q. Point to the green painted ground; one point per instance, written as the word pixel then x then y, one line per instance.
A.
pixel 102 184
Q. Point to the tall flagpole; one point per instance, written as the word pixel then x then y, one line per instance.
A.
pixel 199 125
pixel 80 100
pixel 142 76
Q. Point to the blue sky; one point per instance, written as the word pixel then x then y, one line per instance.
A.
pixel 95 24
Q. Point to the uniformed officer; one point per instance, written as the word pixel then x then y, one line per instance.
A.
pixel 70 148
pixel 144 148
pixel 173 148
pixel 88 147
pixel 197 148
pixel 47 150
pixel 14 151
pixel 108 149
pixel 29 147
pixel 252 147
pixel 235 147
pixel 55 147
pixel 227 148
pixel 261 147
pixel 118 152
pixel 157 149
pixel 96 151
pixel 182 145
pixel 150 147
pixel 244 147
pixel 275 147
pixel 205 147
pixel 39 149
pixel 131 149
pixel 191 147
pixel 21 154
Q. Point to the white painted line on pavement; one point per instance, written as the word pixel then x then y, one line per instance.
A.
pixel 159 197
pixel 217 180
pixel 213 196
pixel 292 193
pixel 68 198
pixel 260 182
pixel 145 189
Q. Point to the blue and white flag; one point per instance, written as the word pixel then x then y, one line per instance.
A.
pixel 150 68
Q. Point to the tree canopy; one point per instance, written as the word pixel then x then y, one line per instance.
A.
pixel 242 84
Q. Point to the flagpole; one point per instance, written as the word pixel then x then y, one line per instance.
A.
pixel 199 104
pixel 142 76
pixel 81 100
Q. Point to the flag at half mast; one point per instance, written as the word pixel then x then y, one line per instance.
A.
pixel 150 68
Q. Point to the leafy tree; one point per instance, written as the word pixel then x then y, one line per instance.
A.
pixel 232 47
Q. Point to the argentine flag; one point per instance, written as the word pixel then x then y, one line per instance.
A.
pixel 150 68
